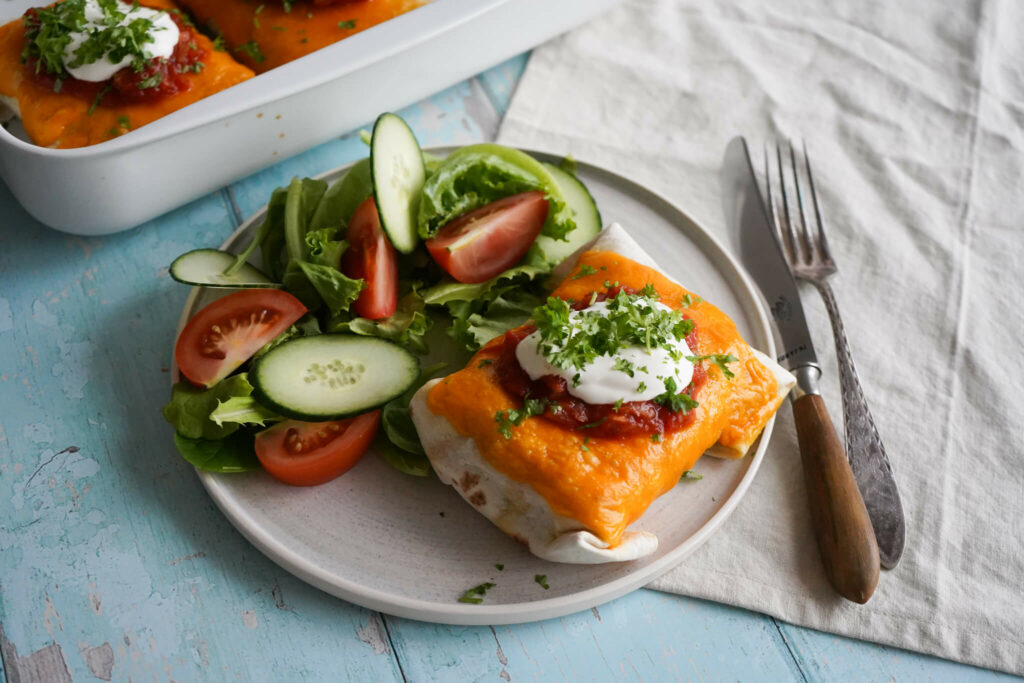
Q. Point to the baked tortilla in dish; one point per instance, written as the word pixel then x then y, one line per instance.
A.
pixel 570 494
pixel 58 112
pixel 266 35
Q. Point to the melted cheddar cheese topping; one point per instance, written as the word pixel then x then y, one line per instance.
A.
pixel 63 120
pixel 268 37
pixel 606 484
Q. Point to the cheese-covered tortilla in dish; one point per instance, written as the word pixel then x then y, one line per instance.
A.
pixel 564 431
pixel 127 66
pixel 265 35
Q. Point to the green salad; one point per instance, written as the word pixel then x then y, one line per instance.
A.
pixel 349 296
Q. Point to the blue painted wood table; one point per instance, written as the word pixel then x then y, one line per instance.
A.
pixel 115 564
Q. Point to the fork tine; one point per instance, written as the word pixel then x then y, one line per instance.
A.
pixel 794 251
pixel 773 211
pixel 823 249
pixel 806 243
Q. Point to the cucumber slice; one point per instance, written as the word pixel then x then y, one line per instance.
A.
pixel 205 268
pixel 586 215
pixel 331 376
pixel 398 173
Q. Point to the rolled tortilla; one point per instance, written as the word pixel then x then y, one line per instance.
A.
pixel 515 507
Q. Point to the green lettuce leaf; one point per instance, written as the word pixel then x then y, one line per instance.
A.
pixel 306 326
pixel 242 410
pixel 402 448
pixel 315 285
pixel 481 312
pixel 301 201
pixel 448 291
pixel 408 326
pixel 229 455
pixel 415 464
pixel 474 176
pixel 190 407
pixel 270 236
pixel 323 249
pixel 510 308
pixel 341 199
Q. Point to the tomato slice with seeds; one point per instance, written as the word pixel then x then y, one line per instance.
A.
pixel 371 257
pixel 311 453
pixel 227 332
pixel 483 243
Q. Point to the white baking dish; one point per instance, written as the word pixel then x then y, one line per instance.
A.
pixel 119 184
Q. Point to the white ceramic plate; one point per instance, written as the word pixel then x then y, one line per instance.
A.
pixel 410 546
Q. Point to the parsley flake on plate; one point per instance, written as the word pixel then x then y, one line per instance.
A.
pixel 474 595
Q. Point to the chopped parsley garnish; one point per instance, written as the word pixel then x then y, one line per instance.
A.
pixel 623 365
pixel 256 16
pixel 500 567
pixel 542 580
pixel 484 363
pixel 574 339
pixel 618 404
pixel 152 81
pixel 585 270
pixel 676 402
pixel 642 387
pixel 513 417
pixel 287 5
pixel 596 423
pixel 656 438
pixel 124 122
pixel 719 359
pixel 252 48
pixel 98 99
pixel 350 24
pixel 48 32
pixel 219 44
pixel 474 595
pixel 690 474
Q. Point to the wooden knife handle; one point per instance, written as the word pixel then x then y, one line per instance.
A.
pixel 843 529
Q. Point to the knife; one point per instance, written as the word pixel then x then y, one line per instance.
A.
pixel 842 527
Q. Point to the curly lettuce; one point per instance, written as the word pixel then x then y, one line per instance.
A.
pixel 474 176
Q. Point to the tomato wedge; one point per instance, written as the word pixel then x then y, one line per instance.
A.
pixel 227 332
pixel 480 244
pixel 371 256
pixel 311 453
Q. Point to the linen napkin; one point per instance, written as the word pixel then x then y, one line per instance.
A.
pixel 913 114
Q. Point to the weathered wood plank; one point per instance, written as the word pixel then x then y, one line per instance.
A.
pixel 826 657
pixel 646 635
pixel 114 562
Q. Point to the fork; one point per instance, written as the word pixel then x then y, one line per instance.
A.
pixel 809 257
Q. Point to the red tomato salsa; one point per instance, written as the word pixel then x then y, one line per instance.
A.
pixel 597 420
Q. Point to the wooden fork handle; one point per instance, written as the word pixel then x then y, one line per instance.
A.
pixel 842 527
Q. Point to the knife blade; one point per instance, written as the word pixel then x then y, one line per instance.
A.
pixel 842 527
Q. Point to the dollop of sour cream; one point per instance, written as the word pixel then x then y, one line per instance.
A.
pixel 164 33
pixel 599 382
